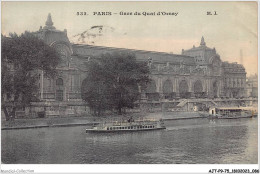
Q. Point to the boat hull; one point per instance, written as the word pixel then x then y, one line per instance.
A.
pixel 250 116
pixel 119 131
pixel 223 117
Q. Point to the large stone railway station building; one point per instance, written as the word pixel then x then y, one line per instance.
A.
pixel 197 73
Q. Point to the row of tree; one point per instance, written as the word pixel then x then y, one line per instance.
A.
pixel 22 56
pixel 112 83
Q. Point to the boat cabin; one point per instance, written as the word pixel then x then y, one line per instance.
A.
pixel 229 111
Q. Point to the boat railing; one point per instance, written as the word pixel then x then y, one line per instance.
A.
pixel 127 122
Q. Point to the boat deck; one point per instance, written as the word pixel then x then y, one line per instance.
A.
pixel 140 125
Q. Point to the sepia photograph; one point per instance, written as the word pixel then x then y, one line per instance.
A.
pixel 129 83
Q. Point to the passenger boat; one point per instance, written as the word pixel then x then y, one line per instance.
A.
pixel 129 125
pixel 231 113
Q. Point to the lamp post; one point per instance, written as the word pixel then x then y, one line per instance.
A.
pixel 42 85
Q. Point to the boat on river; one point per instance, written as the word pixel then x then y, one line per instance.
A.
pixel 231 113
pixel 128 126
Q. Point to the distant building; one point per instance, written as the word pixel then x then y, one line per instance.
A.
pixel 252 86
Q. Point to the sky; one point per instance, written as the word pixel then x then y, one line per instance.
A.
pixel 233 29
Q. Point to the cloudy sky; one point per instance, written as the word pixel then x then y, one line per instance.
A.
pixel 232 30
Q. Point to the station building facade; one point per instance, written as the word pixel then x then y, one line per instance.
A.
pixel 198 72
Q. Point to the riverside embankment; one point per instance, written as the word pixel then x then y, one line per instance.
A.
pixel 89 120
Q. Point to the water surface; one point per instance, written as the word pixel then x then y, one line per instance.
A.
pixel 199 141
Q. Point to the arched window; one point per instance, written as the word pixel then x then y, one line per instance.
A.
pixel 183 88
pixel 151 87
pixel 198 89
pixel 168 89
pixel 215 89
pixel 59 89
pixel 151 91
pixel 59 82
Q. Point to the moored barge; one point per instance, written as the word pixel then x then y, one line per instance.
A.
pixel 231 113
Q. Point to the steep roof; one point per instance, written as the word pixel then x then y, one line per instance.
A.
pixel 201 47
pixel 142 55
pixel 49 33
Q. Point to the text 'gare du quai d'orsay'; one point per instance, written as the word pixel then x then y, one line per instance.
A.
pixel 198 74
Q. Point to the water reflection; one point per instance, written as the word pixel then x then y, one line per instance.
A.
pixel 184 141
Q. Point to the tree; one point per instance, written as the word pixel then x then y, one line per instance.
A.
pixel 113 81
pixel 22 56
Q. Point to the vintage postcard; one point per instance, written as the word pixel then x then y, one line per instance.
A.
pixel 129 83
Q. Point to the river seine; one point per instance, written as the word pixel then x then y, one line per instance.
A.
pixel 200 141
